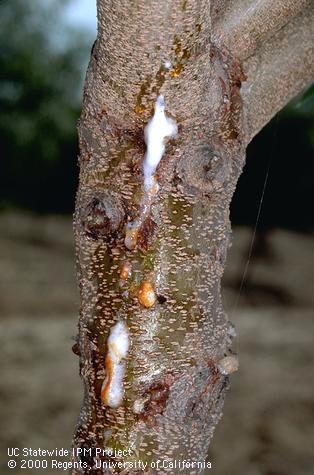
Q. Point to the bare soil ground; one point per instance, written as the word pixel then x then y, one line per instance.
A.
pixel 267 428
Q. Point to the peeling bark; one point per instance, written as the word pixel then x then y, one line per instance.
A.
pixel 165 286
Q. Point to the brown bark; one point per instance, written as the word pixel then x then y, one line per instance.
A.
pixel 180 344
pixel 274 43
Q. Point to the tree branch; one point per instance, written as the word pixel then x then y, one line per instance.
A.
pixel 282 67
pixel 151 260
pixel 244 25
pixel 274 43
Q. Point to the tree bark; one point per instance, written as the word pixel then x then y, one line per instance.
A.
pixel 180 340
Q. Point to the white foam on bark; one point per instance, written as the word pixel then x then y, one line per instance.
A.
pixel 118 346
pixel 158 128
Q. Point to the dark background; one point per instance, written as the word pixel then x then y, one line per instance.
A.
pixel 267 423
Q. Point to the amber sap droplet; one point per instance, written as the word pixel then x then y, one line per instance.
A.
pixel 125 271
pixel 177 71
pixel 153 190
pixel 228 365
pixel 105 389
pixel 139 109
pixel 131 234
pixel 146 295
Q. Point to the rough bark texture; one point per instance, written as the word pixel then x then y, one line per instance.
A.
pixel 176 375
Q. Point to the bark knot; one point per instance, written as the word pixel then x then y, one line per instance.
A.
pixel 103 216
pixel 205 169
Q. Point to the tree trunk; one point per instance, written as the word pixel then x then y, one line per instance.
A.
pixel 150 259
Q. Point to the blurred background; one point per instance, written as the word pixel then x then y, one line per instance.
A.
pixel 268 426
